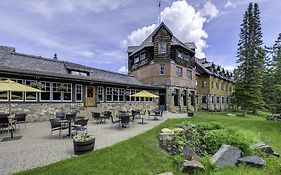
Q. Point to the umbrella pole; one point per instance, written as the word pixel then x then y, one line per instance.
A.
pixel 11 119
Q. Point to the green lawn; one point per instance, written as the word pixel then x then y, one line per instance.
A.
pixel 142 155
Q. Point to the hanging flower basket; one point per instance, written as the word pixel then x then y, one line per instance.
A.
pixel 62 87
pixel 37 85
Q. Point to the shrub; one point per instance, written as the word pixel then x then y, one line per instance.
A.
pixel 203 127
pixel 216 138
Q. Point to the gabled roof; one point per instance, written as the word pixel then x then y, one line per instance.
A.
pixel 37 65
pixel 148 42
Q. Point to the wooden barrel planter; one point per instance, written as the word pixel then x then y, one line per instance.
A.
pixel 83 147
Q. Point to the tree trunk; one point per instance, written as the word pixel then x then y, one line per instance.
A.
pixel 245 109
pixel 255 110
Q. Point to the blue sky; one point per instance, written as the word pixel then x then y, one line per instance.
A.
pixel 96 33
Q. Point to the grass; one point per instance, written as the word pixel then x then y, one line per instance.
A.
pixel 142 155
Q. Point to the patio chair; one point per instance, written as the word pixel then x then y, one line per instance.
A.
pixel 57 126
pixel 150 114
pixel 60 115
pixel 20 118
pixel 81 125
pixel 4 123
pixel 116 121
pixel 125 120
pixel 96 116
pixel 158 114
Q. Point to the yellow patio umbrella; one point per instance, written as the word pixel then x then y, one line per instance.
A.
pixel 11 86
pixel 144 94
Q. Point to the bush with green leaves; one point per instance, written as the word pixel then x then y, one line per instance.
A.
pixel 216 138
pixel 203 127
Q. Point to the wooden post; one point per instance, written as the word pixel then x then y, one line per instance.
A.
pixel 10 110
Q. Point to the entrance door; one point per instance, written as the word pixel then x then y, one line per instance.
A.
pixel 90 96
pixel 162 100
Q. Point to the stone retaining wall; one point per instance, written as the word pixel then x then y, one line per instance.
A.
pixel 40 111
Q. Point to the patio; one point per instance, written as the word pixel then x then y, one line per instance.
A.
pixel 38 147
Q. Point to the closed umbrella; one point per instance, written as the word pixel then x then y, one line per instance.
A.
pixel 144 94
pixel 11 86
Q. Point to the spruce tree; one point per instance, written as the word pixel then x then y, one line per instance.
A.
pixel 249 73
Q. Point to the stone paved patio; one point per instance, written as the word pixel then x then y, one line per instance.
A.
pixel 38 147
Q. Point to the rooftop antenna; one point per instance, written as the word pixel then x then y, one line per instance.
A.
pixel 159 16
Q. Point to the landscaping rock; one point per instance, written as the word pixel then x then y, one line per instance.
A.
pixel 227 155
pixel 231 115
pixel 276 154
pixel 252 160
pixel 263 147
pixel 164 137
pixel 191 166
pixel 167 131
pixel 189 154
pixel 166 173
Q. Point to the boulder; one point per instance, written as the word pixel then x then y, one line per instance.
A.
pixel 263 147
pixel 252 161
pixel 231 115
pixel 191 166
pixel 226 156
pixel 189 154
pixel 167 131
pixel 164 137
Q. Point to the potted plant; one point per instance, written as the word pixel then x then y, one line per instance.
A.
pixel 83 143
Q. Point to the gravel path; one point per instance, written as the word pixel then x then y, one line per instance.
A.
pixel 38 147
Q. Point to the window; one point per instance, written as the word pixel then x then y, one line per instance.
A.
pixel 67 91
pixel 161 47
pixel 176 98
pixel 127 94
pixel 230 89
pixel 222 87
pixel 162 69
pixel 227 100
pixel 180 54
pixel 137 58
pixel 30 96
pixel 56 92
pixel 217 86
pixel 132 93
pixel 218 99
pixel 142 56
pixel 178 71
pixel 3 96
pixel 204 99
pixel 189 74
pixel 115 94
pixel 222 100
pixel 108 94
pixel 137 98
pixel 46 94
pixel 78 92
pixel 100 94
pixel 204 84
pixel 121 95
pixel 212 85
pixel 73 72
pixel 17 96
pixel 184 97
pixel 212 99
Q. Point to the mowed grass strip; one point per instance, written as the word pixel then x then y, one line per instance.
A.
pixel 142 155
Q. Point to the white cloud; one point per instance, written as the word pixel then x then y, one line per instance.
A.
pixel 229 68
pixel 184 21
pixel 86 53
pixel 123 70
pixel 210 10
pixel 229 4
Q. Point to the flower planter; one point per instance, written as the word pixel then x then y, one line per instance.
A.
pixel 83 147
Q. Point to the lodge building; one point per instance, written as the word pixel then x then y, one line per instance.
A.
pixel 162 64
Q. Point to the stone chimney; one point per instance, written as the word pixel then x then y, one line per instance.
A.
pixel 55 57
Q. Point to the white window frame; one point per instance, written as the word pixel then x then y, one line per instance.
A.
pixel 187 74
pixel 180 54
pixel 121 93
pixel 100 91
pixel 36 97
pixel 57 91
pixel 136 57
pixel 81 86
pixel 51 94
pixel 16 80
pixel 62 92
pixel 142 56
pixel 204 84
pixel 107 94
pixel 162 68
pixel 178 68
pixel 162 47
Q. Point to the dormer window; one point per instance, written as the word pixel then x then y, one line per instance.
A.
pixel 162 47
pixel 180 54
pixel 142 56
pixel 73 72
pixel 137 58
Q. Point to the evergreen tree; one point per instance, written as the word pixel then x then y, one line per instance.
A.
pixel 249 73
